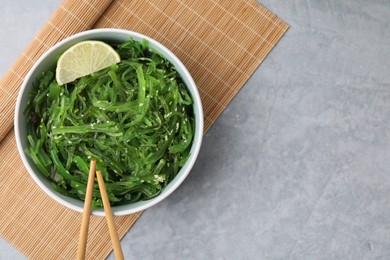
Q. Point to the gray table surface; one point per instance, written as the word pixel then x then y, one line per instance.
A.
pixel 297 166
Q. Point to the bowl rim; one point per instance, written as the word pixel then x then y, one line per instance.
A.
pixel 199 117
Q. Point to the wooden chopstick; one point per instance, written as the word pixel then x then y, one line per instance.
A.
pixel 87 212
pixel 110 219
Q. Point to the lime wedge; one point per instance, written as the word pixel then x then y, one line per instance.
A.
pixel 83 59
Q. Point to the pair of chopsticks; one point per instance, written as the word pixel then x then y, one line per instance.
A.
pixel 87 213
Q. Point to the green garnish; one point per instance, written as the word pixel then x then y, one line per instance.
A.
pixel 135 118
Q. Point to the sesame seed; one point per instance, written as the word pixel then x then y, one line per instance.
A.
pixel 158 178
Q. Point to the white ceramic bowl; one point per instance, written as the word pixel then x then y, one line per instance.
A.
pixel 48 60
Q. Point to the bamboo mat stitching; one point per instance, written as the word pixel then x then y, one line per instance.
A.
pixel 28 230
pixel 262 37
pixel 220 31
pixel 238 20
pixel 28 57
pixel 258 47
pixel 23 202
pixel 42 42
pixel 74 16
pixel 57 29
pixel 14 96
pixel 48 220
pixel 18 76
pixel 245 25
pixel 93 7
pixel 200 40
pixel 34 234
pixel 257 10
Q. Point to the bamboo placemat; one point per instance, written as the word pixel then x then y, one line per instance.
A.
pixel 221 42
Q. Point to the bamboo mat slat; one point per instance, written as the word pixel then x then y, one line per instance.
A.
pixel 221 42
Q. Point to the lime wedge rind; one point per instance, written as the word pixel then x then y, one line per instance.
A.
pixel 84 58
